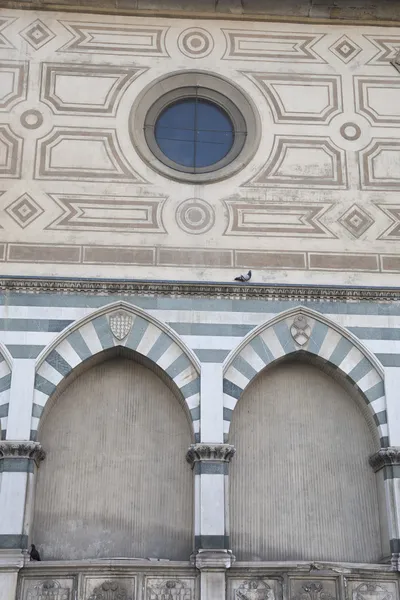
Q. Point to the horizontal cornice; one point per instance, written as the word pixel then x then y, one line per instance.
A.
pixel 362 14
pixel 196 289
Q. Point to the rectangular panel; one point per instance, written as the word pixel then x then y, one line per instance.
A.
pixel 344 262
pixel 43 253
pixel 188 257
pixel 270 260
pixel 271 46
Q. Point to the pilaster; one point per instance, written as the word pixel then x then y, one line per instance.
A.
pixel 210 465
pixel 387 461
pixel 18 464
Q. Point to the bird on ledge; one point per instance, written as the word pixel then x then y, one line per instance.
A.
pixel 244 278
pixel 34 554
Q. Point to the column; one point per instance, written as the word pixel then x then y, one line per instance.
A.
pixel 386 463
pixel 213 556
pixel 18 463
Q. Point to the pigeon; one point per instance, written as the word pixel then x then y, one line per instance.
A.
pixel 34 554
pixel 244 278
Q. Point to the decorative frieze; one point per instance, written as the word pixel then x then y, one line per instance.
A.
pixel 49 589
pixel 110 590
pixel 209 452
pixel 18 450
pixel 385 457
pixel 193 289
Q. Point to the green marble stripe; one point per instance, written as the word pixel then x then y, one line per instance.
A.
pixel 160 346
pixel 17 465
pixel 5 382
pixel 360 370
pixel 43 385
pixel 11 541
pixel 137 332
pixel 58 363
pixel 79 345
pixel 103 331
pixel 245 368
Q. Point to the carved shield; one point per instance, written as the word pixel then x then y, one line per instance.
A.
pixel 120 324
pixel 300 330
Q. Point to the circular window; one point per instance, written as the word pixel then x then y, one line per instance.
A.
pixel 198 131
pixel 194 133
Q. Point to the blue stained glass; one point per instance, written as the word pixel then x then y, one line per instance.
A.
pixel 194 133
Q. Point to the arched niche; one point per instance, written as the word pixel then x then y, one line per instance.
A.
pixel 115 482
pixel 301 487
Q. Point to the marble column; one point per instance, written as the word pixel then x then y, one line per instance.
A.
pixel 386 464
pixel 18 464
pixel 213 555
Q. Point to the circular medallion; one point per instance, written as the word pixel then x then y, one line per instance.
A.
pixel 350 131
pixel 195 216
pixel 195 43
pixel 31 119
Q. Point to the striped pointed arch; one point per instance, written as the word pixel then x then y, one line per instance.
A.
pixel 5 385
pixel 320 337
pixel 105 329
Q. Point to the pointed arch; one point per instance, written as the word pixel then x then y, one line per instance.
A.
pixel 117 324
pixel 5 385
pixel 304 330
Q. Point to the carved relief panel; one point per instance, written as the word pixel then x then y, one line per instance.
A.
pixel 310 589
pixel 169 589
pixel 111 588
pixel 372 590
pixel 47 589
pixel 255 588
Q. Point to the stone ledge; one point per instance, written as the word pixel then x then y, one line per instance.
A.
pixel 187 289
pixel 306 11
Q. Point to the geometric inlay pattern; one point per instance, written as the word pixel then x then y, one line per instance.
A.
pixel 393 212
pixel 100 87
pixel 273 340
pixel 195 216
pixel 13 83
pixel 10 153
pixel 303 161
pixel 119 324
pixel 300 98
pixel 4 42
pixel 379 164
pixel 345 49
pixel 24 210
pixel 79 153
pixel 356 220
pixel 37 34
pixel 84 212
pixel 5 384
pixel 388 47
pixel 284 219
pixel 102 38
pixel 195 42
pixel 260 45
pixel 378 99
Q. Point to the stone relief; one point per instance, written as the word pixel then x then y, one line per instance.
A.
pixel 372 591
pixel 171 589
pixel 254 590
pixel 120 324
pixel 110 590
pixel 312 590
pixel 48 590
pixel 300 330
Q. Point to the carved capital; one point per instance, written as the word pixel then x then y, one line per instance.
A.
pixel 211 560
pixel 31 450
pixel 385 457
pixel 212 452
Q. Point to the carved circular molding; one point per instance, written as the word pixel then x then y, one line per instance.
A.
pixel 172 88
pixel 350 131
pixel 195 216
pixel 31 119
pixel 195 42
pixel 32 450
pixel 213 452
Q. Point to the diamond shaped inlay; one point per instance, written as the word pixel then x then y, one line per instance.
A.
pixel 37 34
pixel 356 220
pixel 345 49
pixel 24 210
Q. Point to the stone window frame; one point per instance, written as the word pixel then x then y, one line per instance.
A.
pixel 156 96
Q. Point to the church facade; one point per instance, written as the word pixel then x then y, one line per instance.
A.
pixel 200 307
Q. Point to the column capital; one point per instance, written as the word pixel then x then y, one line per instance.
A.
pixel 212 452
pixel 385 457
pixel 15 449
pixel 211 560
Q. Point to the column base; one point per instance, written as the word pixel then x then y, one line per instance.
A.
pixel 10 564
pixel 212 565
